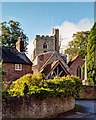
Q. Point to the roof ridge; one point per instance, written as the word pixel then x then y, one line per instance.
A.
pixel 64 67
pixel 10 55
pixel 23 58
pixel 58 61
pixel 74 58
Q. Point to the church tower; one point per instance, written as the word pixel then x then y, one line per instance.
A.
pixel 44 44
pixel 56 35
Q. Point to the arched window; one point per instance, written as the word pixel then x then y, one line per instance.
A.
pixel 79 72
pixel 45 46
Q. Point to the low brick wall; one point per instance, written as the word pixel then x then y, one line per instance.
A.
pixel 88 92
pixel 31 107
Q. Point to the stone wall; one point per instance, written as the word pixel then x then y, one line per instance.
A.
pixel 12 74
pixel 52 43
pixel 88 92
pixel 35 69
pixel 30 107
pixel 56 33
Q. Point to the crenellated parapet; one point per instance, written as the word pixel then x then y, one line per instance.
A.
pixel 45 43
pixel 43 36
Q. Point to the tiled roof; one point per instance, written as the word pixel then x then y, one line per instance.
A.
pixel 47 61
pixel 54 63
pixel 11 55
pixel 64 67
pixel 52 66
pixel 73 59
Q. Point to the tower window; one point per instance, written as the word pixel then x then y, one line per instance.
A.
pixel 44 46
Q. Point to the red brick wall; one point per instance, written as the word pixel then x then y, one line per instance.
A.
pixel 73 68
pixel 12 74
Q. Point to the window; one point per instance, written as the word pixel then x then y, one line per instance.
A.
pixel 79 72
pixel 18 67
pixel 44 46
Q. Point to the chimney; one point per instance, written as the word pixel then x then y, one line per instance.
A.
pixel 20 45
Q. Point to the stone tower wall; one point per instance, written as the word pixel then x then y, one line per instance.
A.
pixel 56 34
pixel 51 41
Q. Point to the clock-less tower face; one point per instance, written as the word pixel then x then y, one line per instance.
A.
pixel 48 43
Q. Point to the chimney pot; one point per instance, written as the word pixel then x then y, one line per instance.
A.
pixel 19 39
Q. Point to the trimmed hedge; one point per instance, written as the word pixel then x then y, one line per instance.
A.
pixel 36 85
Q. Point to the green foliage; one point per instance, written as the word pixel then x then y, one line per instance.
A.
pixel 10 31
pixel 36 85
pixel 26 89
pixel 2 72
pixel 91 55
pixel 2 75
pixel 78 46
pixel 2 82
pixel 18 87
pixel 5 94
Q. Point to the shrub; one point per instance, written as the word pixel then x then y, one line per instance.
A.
pixel 36 85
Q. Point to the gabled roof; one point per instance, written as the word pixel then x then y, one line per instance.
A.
pixel 73 59
pixel 50 67
pixel 55 56
pixel 47 61
pixel 56 62
pixel 11 55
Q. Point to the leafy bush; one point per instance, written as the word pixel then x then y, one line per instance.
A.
pixel 3 86
pixel 90 76
pixel 36 85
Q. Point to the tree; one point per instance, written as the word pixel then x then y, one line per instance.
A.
pixel 2 72
pixel 10 32
pixel 78 46
pixel 91 55
pixel 3 87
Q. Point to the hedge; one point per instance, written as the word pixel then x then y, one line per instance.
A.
pixel 41 88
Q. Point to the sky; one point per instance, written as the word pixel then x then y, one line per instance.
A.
pixel 36 18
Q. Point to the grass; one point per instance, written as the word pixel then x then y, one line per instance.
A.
pixel 77 108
